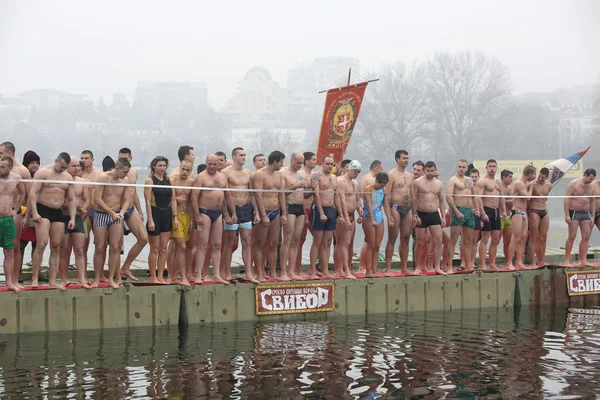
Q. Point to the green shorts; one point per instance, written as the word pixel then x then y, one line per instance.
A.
pixel 8 232
pixel 468 221
pixel 505 223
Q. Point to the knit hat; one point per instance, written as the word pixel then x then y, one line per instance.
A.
pixel 108 163
pixel 30 157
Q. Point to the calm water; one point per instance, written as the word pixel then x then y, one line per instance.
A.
pixel 471 354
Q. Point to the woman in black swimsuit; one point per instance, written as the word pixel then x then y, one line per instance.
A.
pixel 161 209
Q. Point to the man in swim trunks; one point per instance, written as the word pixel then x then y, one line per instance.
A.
pixel 579 212
pixel 90 173
pixel 183 258
pixel 474 175
pixel 294 179
pixel 45 208
pixel 521 188
pixel 7 149
pixel 111 204
pixel 326 207
pixel 492 210
pixel 401 214
pixel 240 178
pixel 11 198
pixel 428 205
pixel 597 200
pixel 462 219
pixel 75 238
pixel 506 230
pixel 539 220
pixel 208 208
pixel 310 162
pixel 134 217
pixel 344 234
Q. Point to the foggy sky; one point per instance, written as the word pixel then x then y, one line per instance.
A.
pixel 101 47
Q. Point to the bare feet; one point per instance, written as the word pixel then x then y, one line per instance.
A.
pixel 372 275
pixel 510 267
pixel 440 272
pixel 361 270
pixel 251 278
pixel 11 286
pixel 221 280
pixel 389 273
pixel 284 278
pixel 84 284
pixel 404 272
pixel 198 281
pixel 128 274
pixel 103 279
pixel 154 280
pixel 327 276
pixel 34 283
pixel 521 267
pixel 494 268
pixel 185 282
pixel 295 277
pixel 313 277
pixel 56 286
pixel 415 272
pixel 350 276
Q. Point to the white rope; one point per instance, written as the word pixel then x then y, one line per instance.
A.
pixel 143 185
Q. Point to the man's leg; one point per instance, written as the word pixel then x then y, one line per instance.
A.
pixel 474 244
pixel 202 248
pixel 260 233
pixel 8 264
pixel 227 253
pixel 305 230
pixel 246 238
pixel 454 234
pixel 272 244
pixel 348 266
pixel 344 242
pixel 293 253
pixel 78 243
pixel 42 235
pixel 179 261
pixel 64 259
pixel 534 224
pixel 485 237
pixel 17 256
pixel 436 240
pixel 514 241
pixel 586 232
pixel 286 247
pixel 421 239
pixel 467 258
pixel 314 253
pixel 494 249
pixel 506 235
pixel 541 243
pixel 520 246
pixel 100 243
pixel 90 228
pixel 136 226
pixel 115 238
pixel 216 235
pixel 391 241
pixel 406 227
pixel 325 254
pixel 570 240
pixel 57 231
pixel 190 254
pixel 369 231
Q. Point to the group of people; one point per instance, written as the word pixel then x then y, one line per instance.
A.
pixel 195 219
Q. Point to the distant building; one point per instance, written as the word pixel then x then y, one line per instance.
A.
pixel 168 97
pixel 92 123
pixel 51 100
pixel 12 112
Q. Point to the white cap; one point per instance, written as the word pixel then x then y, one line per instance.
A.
pixel 354 165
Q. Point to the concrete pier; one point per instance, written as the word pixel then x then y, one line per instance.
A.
pixel 155 305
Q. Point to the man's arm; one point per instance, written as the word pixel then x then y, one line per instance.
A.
pixel 71 199
pixel 98 192
pixel 194 197
pixel 147 198
pixel 33 193
pixel 281 195
pixel 258 183
pixel 341 191
pixel 450 196
pixel 317 199
pixel 20 197
pixel 479 190
pixel 413 197
pixel 570 190
pixel 136 199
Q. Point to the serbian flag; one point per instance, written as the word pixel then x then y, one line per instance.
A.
pixel 339 119
pixel 561 166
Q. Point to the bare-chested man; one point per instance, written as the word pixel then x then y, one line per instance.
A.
pixel 344 233
pixel 401 214
pixel 310 162
pixel 506 230
pixel 326 207
pixel 208 208
pixel 11 198
pixel 239 178
pixel 579 212
pixel 89 173
pixel 182 259
pixel 7 149
pixel 474 175
pixel 223 163
pixel 597 200
pixel 294 179
pixel 539 220
pixel 134 217
pixel 184 153
pixel 75 238
pixel 492 210
pixel 427 206
pixel 273 215
pixel 459 195
pixel 111 204
pixel 522 191
pixel 45 208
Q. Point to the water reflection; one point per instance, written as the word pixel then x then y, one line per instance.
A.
pixel 473 353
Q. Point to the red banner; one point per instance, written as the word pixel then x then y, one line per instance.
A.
pixel 580 283
pixel 342 106
pixel 294 298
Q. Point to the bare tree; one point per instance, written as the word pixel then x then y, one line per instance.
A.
pixel 467 91
pixel 394 112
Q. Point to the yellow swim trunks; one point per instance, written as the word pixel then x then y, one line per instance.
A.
pixel 506 223
pixel 184 226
